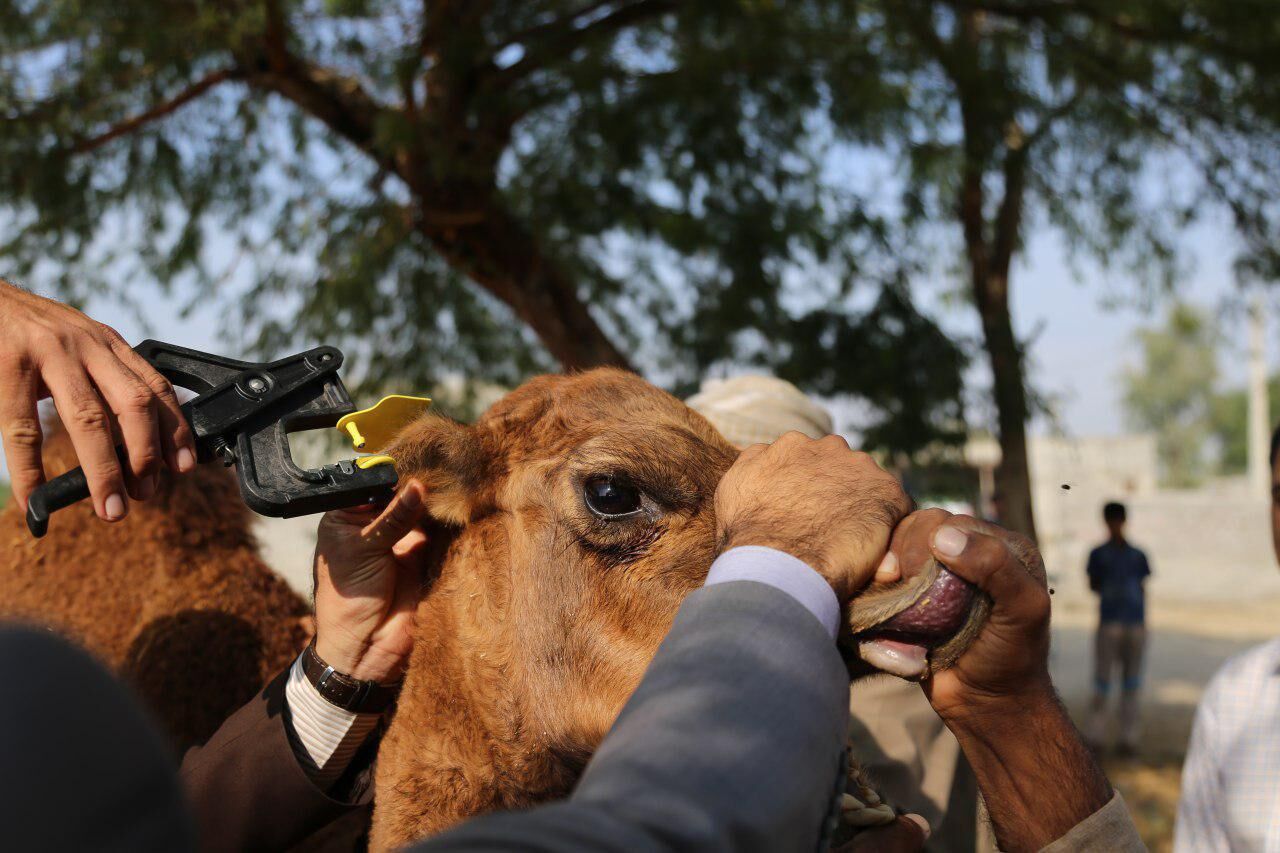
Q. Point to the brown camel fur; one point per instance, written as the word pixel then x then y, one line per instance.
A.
pixel 542 616
pixel 175 597
pixel 538 616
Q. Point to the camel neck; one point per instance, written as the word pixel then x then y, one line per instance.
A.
pixel 456 747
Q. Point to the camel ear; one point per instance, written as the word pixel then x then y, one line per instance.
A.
pixel 448 459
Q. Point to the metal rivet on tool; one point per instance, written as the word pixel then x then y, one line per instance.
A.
pixel 257 385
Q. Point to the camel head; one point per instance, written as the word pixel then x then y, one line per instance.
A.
pixel 582 506
pixel 571 520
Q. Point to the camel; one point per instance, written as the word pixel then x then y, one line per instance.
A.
pixel 580 514
pixel 174 598
pixel 568 524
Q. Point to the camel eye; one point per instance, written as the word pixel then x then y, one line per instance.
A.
pixel 610 498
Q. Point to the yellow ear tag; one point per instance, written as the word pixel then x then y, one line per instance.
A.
pixel 373 428
pixel 370 461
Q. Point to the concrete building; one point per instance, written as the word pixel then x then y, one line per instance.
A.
pixel 1209 543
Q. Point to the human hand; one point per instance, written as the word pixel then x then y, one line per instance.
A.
pixel 1007 661
pixel 367 586
pixel 998 698
pixel 818 500
pixel 99 386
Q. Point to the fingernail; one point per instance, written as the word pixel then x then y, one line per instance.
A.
pixel 411 497
pixel 920 822
pixel 949 542
pixel 114 507
pixel 186 460
pixel 887 571
pixel 146 487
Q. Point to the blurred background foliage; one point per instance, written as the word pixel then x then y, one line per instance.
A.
pixel 1171 391
pixel 491 189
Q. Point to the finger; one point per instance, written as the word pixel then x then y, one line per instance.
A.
pixel 888 571
pixel 751 453
pixel 835 440
pixel 410 545
pixel 20 429
pixel 135 409
pixel 176 439
pixel 907 834
pixel 401 515
pixel 1022 548
pixel 988 563
pixel 792 438
pixel 85 416
pixel 912 538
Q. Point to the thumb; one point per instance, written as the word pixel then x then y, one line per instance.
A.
pixel 398 519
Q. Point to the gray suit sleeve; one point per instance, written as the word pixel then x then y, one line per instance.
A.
pixel 734 740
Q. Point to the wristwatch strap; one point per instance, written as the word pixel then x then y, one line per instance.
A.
pixel 343 691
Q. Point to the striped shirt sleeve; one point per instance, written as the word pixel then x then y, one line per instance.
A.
pixel 326 737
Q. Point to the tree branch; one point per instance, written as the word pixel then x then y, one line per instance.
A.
pixel 1009 215
pixel 339 101
pixel 333 98
pixel 1051 117
pixel 559 25
pixel 1051 11
pixel 975 151
pixel 561 37
pixel 160 110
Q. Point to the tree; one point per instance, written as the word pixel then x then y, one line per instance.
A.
pixel 1005 114
pixel 1228 418
pixel 633 182
pixel 1171 392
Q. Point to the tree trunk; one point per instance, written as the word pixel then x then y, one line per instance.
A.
pixel 498 253
pixel 990 253
pixel 1013 480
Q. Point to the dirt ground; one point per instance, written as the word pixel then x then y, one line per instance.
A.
pixel 1187 643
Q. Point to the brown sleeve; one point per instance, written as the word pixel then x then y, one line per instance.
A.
pixel 248 790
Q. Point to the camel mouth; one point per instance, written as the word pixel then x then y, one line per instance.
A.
pixel 900 645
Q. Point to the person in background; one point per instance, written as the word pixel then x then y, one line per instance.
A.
pixel 1231 779
pixel 1117 571
pixel 914 760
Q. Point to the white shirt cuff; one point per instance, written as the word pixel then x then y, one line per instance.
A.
pixel 782 571
pixel 327 737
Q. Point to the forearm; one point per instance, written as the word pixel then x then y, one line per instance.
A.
pixel 1034 771
pixel 248 787
pixel 325 738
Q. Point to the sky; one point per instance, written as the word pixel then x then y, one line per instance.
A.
pixel 1081 337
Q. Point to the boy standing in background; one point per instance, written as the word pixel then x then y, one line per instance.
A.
pixel 1117 571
